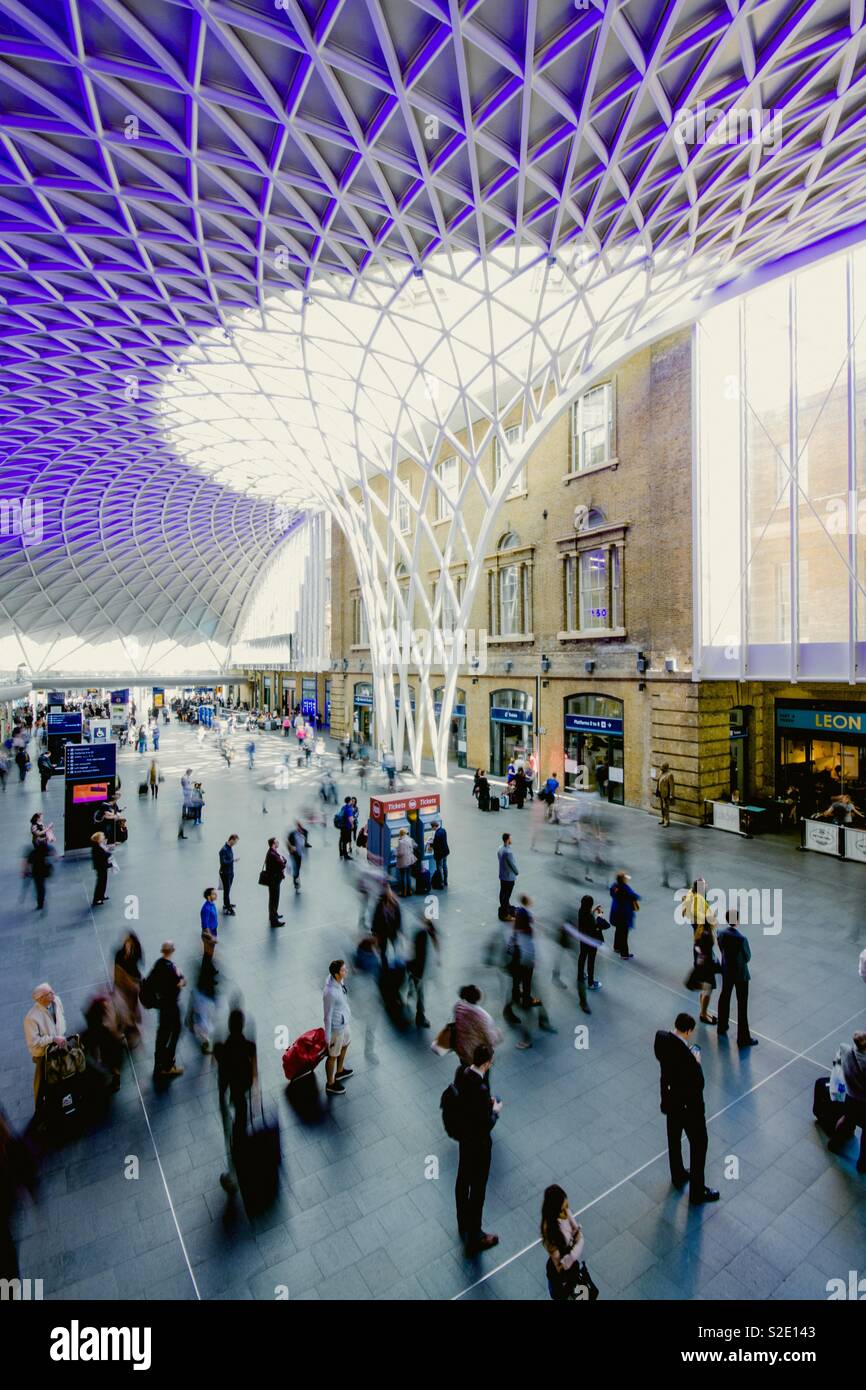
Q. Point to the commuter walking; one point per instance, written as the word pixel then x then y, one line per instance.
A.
pixel 548 794
pixel 163 986
pixel 441 851
pixel 186 801
pixel 40 868
pixel 665 792
pixel 128 962
pixel 338 1015
pixel 272 875
pixel 22 761
pixel 154 737
pixel 424 941
pixel 237 1076
pixel 478 1112
pixel 682 1104
pixel 473 1026
pixel 853 1063
pixel 624 903
pixel 735 953
pixel 102 862
pixel 296 844
pixel 568 1279
pixel 208 914
pixel 705 968
pixel 227 873
pixel 203 1001
pixel 521 967
pixel 405 855
pixel 46 769
pixel 508 872
pixel 153 778
pixel 44 1024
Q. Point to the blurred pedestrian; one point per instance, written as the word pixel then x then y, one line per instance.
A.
pixel 424 941
pixel 128 963
pixel 473 1025
pixel 163 986
pixel 853 1063
pixel 296 844
pixel 522 957
pixel 237 1076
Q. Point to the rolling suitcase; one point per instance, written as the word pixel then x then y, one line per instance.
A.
pixel 493 804
pixel 422 881
pixel 825 1110
pixel 142 789
pixel 304 1054
pixel 257 1160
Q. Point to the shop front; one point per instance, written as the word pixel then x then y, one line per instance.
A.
pixel 362 711
pixel 510 728
pixel 310 699
pixel 593 742
pixel 820 753
pixel 457 725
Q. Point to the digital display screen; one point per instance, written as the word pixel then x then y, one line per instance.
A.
pixel 89 791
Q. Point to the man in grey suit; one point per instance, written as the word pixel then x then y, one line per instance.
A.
pixel 736 954
pixel 508 872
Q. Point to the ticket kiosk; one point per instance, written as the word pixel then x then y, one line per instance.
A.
pixel 391 814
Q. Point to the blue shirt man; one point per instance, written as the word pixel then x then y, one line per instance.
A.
pixel 209 917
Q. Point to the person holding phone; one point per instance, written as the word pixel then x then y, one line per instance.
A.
pixel 682 1104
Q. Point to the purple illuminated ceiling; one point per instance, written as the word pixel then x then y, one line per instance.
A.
pixel 165 164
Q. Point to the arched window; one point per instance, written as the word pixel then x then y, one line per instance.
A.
pixel 510 588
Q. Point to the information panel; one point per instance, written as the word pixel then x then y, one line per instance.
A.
pixel 90 780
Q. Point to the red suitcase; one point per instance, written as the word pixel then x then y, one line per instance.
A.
pixel 304 1054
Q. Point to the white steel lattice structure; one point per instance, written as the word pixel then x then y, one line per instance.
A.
pixel 280 248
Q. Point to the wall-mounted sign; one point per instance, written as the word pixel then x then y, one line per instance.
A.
pixel 120 697
pixel 500 715
pixel 823 721
pixel 593 724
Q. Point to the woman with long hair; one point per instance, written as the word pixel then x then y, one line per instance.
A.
pixel 568 1278
pixel 128 964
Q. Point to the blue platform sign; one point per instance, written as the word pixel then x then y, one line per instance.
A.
pixel 457 711
pixel 310 708
pixel 593 724
pixel 120 697
pixel 64 725
pixel 510 716
pixel 363 701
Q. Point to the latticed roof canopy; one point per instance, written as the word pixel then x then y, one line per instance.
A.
pixel 239 241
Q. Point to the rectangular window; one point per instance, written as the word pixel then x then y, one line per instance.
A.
pixel 526 599
pixel 448 475
pixel 570 593
pixel 403 515
pixel 512 436
pixel 509 595
pixel 594 598
pixel 592 428
pixel 450 606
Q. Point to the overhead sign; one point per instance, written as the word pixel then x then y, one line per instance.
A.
pixel 55 697
pixel 510 716
pixel 120 697
pixel 823 721
pixel 64 725
pixel 363 701
pixel 384 806
pixel 593 724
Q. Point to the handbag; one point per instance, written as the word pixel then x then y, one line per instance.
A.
pixel 445 1039
pixel 838 1089
pixel 263 876
pixel 574 1285
pixel 693 980
pixel 61 1064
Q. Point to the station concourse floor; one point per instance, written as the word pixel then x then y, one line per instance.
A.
pixel 362 1213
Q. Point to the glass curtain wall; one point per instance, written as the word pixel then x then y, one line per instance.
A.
pixel 781 478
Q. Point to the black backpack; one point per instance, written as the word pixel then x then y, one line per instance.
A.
pixel 451 1105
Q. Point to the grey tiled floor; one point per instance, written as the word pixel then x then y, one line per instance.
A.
pixel 357 1216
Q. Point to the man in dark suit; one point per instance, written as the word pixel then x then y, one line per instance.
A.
pixel 479 1113
pixel 441 851
pixel 736 955
pixel 682 1103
